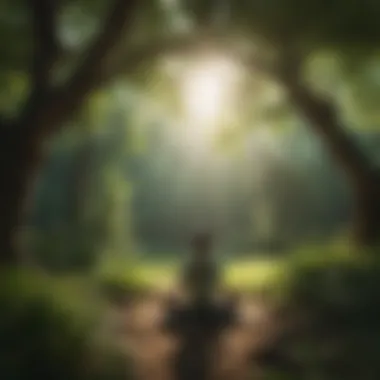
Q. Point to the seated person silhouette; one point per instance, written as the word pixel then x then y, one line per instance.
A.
pixel 199 279
pixel 200 276
pixel 198 325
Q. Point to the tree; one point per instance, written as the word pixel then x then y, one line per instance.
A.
pixel 48 105
pixel 81 207
pixel 290 33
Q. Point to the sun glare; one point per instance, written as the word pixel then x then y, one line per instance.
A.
pixel 206 90
pixel 208 93
pixel 203 94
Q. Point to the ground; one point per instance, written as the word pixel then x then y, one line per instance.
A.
pixel 153 351
pixel 303 338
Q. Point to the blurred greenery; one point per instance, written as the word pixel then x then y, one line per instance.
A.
pixel 127 177
pixel 94 196
pixel 335 291
pixel 47 329
pixel 273 192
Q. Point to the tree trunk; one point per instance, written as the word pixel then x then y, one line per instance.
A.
pixel 47 109
pixel 363 177
pixel 19 159
pixel 367 226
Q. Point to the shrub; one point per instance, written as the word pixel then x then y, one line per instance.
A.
pixel 42 338
pixel 338 293
pixel 120 281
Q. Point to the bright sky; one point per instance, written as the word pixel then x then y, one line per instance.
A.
pixel 208 92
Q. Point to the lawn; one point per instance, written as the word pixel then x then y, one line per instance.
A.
pixel 241 274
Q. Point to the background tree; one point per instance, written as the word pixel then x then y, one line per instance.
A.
pixel 294 33
pixel 51 76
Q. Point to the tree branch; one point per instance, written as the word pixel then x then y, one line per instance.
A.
pixel 63 102
pixel 323 117
pixel 46 46
pixel 90 73
pixel 136 56
pixel 177 44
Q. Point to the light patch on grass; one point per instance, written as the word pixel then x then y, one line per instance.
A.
pixel 240 275
pixel 253 274
pixel 160 275
pixel 248 274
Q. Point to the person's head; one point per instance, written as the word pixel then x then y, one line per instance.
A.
pixel 202 244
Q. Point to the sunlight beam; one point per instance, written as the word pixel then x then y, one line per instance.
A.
pixel 208 91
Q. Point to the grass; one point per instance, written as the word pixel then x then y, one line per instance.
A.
pixel 241 274
pixel 338 291
pixel 335 287
pixel 254 274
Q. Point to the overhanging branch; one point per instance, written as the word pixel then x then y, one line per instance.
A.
pixel 136 56
pixel 46 46
pixel 130 61
pixel 90 72
pixel 61 103
pixel 323 117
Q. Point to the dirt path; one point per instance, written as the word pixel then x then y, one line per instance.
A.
pixel 152 351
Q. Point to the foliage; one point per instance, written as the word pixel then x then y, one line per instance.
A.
pixel 322 23
pixel 120 280
pixel 95 197
pixel 82 202
pixel 335 290
pixel 44 336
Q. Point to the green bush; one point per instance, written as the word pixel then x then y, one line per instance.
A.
pixel 120 280
pixel 42 338
pixel 338 293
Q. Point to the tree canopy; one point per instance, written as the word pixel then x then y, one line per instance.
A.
pixel 319 58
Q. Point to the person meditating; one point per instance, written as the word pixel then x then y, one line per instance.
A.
pixel 199 323
pixel 200 276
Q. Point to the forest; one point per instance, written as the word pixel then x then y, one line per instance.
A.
pixel 129 126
